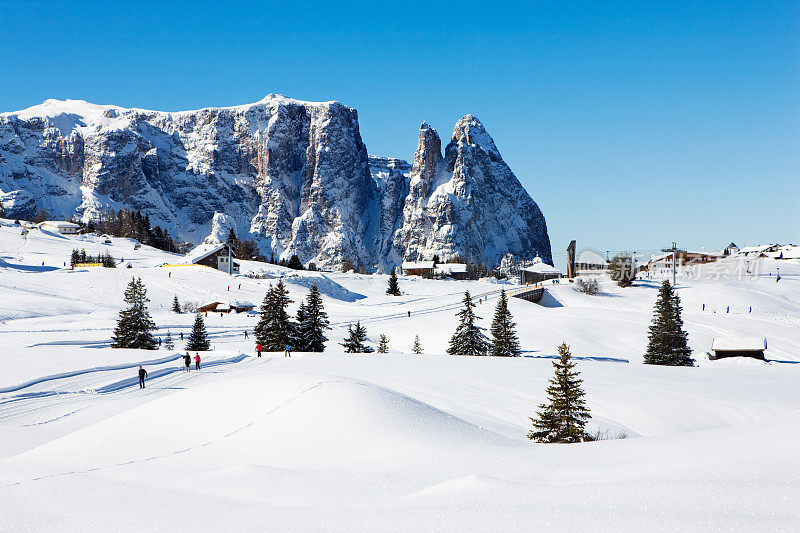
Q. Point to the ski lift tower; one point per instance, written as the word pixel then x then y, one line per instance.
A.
pixel 674 251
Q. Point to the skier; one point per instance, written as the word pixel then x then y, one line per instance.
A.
pixel 196 361
pixel 728 309
pixel 704 307
pixel 181 335
pixel 142 375
pixel 288 351
pixel 170 275
pixel 258 349
pixel 409 314
pixel 245 334
pixel 159 341
pixel 187 360
pixel 240 286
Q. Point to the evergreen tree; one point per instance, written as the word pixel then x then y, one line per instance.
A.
pixel 383 345
pixel 232 237
pixel 274 331
pixel 134 323
pixel 176 306
pixel 564 417
pixel 504 338
pixel 355 341
pixel 168 344
pixel 622 270
pixel 294 263
pixel 417 348
pixel 198 338
pixel 75 258
pixel 668 342
pixel 468 338
pixel 394 288
pixel 312 321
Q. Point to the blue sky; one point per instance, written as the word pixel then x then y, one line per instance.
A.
pixel 632 124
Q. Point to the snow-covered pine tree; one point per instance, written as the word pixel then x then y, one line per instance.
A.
pixel 504 338
pixel 275 330
pixel 564 417
pixel 394 288
pixel 312 322
pixel 168 343
pixel 468 338
pixel 75 258
pixel 417 347
pixel 383 344
pixel 667 342
pixel 134 323
pixel 198 338
pixel 176 306
pixel 298 339
pixel 354 343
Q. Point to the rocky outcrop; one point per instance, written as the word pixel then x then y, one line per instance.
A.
pixel 295 176
pixel 469 204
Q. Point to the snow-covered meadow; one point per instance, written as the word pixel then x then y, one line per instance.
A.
pixel 384 442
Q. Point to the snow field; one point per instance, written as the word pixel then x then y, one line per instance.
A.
pixel 374 442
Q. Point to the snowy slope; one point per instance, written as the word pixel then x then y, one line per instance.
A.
pixel 368 442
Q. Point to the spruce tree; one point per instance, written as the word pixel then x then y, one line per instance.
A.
pixel 383 344
pixel 564 417
pixel 504 338
pixel 295 263
pixel 354 343
pixel 668 342
pixel 198 339
pixel 168 344
pixel 417 347
pixel 312 321
pixel 468 338
pixel 134 323
pixel 274 330
pixel 394 288
pixel 176 306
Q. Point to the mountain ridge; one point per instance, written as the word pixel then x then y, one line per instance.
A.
pixel 293 175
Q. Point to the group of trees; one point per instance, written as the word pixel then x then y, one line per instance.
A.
pixel 275 329
pixel 133 225
pixel 248 249
pixel 469 338
pixel 80 256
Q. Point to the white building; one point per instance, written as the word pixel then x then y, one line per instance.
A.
pixel 59 226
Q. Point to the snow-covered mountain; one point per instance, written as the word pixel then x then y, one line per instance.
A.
pixel 295 176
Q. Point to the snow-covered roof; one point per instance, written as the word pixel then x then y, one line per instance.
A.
pixel 201 252
pixel 59 224
pixel 451 268
pixel 739 344
pixel 757 249
pixel 417 264
pixel 540 267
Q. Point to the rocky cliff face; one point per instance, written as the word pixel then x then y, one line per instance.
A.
pixel 295 176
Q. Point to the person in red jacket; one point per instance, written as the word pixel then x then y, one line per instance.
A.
pixel 258 349
pixel 196 361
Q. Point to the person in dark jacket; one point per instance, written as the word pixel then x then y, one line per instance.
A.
pixel 187 360
pixel 142 375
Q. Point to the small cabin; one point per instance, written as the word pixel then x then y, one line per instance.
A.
pixel 219 256
pixel 451 270
pixel 537 272
pixel 217 306
pixel 60 226
pixel 722 347
pixel 418 268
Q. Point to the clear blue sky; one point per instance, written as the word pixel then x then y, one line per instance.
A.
pixel 632 124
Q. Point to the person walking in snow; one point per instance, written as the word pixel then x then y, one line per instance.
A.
pixel 181 335
pixel 196 361
pixel 288 351
pixel 142 375
pixel 245 334
pixel 258 349
pixel 187 360
pixel 409 314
